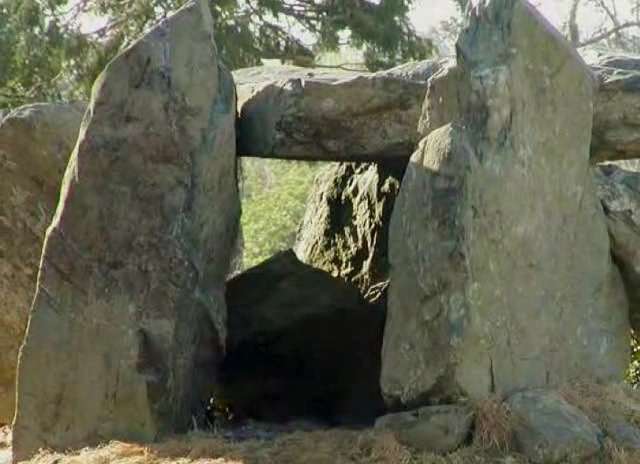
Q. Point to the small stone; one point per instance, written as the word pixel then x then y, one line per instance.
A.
pixel 549 430
pixel 438 429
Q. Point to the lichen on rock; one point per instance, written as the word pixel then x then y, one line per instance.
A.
pixel 131 282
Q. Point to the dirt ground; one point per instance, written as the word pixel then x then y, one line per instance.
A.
pixel 308 444
pixel 334 446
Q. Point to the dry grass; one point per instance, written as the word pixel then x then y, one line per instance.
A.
pixel 5 437
pixel 335 446
pixel 493 440
pixel 617 455
pixel 493 425
pixel 599 402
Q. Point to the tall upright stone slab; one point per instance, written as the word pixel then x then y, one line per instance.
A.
pixel 345 229
pixel 131 283
pixel 35 143
pixel 501 276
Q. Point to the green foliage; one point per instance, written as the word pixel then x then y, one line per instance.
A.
pixel 274 197
pixel 45 56
pixel 41 56
pixel 249 30
pixel 633 373
pixel 461 5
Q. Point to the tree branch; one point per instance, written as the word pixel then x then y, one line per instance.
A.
pixel 574 30
pixel 344 67
pixel 606 34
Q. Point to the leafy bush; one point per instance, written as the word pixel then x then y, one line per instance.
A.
pixel 274 197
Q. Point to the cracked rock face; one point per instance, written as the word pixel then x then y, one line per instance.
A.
pixel 501 276
pixel 297 113
pixel 619 191
pixel 131 283
pixel 345 230
pixel 35 143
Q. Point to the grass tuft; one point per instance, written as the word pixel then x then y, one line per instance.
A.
pixel 600 402
pixel 493 425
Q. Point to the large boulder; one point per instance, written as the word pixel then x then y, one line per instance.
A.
pixel 619 191
pixel 549 430
pixel 35 143
pixel 131 281
pixel 617 108
pixel 501 276
pixel 297 113
pixel 345 230
pixel 302 344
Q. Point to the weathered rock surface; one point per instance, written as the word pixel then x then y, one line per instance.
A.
pixel 345 230
pixel 298 113
pixel 619 191
pixel 617 108
pixel 501 276
pixel 548 430
pixel 131 283
pixel 622 433
pixel 35 143
pixel 616 104
pixel 442 102
pixel 301 344
pixel 439 429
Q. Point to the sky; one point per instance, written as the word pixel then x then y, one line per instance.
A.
pixel 426 14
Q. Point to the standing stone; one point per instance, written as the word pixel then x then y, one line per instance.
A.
pixel 131 283
pixel 501 276
pixel 35 143
pixel 616 112
pixel 345 230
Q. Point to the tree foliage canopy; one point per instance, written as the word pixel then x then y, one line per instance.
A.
pixel 46 54
pixel 274 199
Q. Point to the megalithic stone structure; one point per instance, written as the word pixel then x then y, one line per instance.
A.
pixel 35 143
pixel 131 282
pixel 501 275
